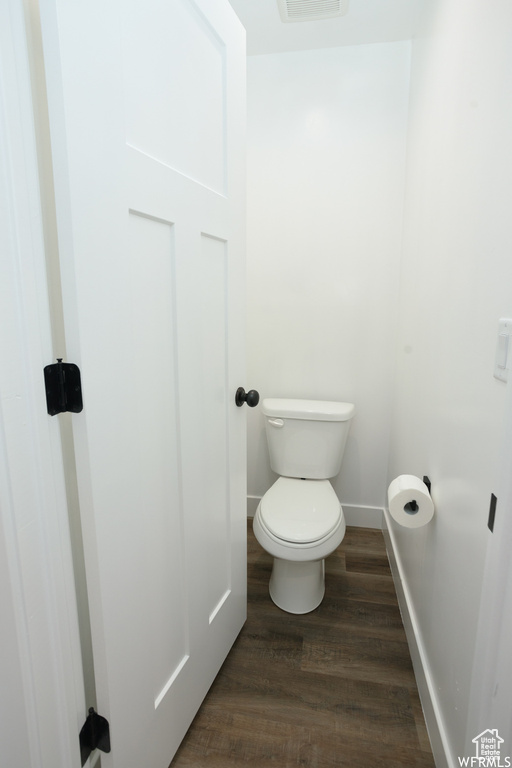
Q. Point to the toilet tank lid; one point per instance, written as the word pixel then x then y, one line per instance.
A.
pixel 311 410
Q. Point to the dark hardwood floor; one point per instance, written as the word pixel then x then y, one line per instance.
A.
pixel 334 687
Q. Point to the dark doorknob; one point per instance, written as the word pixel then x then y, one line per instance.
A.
pixel 251 397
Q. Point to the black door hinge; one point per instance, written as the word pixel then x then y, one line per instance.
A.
pixel 95 734
pixel 63 388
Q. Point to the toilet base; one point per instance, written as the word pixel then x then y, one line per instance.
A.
pixel 297 587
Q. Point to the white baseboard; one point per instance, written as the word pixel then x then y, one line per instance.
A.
pixel 362 517
pixel 426 688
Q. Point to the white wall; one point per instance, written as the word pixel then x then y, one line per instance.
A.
pixel 456 283
pixel 326 169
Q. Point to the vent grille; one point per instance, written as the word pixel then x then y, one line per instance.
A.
pixel 311 10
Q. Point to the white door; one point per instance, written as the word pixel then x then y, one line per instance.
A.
pixel 147 109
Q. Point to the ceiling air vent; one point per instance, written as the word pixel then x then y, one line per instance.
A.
pixel 311 10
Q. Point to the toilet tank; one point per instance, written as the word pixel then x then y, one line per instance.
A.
pixel 306 438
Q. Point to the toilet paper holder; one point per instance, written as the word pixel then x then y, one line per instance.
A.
pixel 412 507
pixel 410 502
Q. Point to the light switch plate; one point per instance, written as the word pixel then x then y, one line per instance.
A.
pixel 503 359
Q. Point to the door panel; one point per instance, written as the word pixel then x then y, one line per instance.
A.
pixel 170 118
pixel 214 411
pixel 152 320
pixel 147 111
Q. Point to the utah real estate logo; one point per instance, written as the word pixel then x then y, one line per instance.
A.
pixel 487 752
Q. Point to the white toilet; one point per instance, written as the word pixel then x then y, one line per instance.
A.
pixel 300 520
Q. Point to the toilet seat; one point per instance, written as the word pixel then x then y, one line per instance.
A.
pixel 300 511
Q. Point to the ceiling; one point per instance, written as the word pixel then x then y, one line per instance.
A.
pixel 367 21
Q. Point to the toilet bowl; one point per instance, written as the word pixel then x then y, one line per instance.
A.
pixel 299 520
pixel 299 523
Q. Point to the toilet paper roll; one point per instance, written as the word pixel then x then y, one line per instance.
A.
pixel 409 501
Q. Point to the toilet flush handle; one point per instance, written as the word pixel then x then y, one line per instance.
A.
pixel 278 423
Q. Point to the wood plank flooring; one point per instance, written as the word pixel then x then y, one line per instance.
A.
pixel 334 687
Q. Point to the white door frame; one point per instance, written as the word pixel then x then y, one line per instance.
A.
pixel 43 705
pixel 490 703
